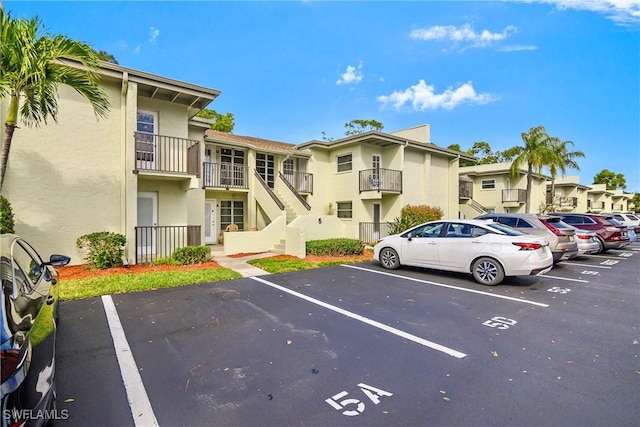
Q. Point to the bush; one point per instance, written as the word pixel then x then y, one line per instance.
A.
pixel 6 216
pixel 165 261
pixel 335 247
pixel 411 216
pixel 192 255
pixel 104 249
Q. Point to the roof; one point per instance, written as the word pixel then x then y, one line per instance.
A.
pixel 252 142
pixel 495 169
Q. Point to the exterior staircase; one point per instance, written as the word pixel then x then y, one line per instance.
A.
pixel 279 247
pixel 291 213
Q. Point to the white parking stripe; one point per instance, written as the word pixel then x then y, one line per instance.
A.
pixel 585 265
pixel 366 320
pixel 566 278
pixel 136 394
pixel 384 273
pixel 603 256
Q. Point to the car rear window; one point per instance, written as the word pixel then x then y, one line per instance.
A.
pixel 505 229
pixel 562 224
pixel 632 217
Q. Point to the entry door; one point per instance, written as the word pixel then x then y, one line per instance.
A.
pixel 376 222
pixel 146 143
pixel 147 220
pixel 210 223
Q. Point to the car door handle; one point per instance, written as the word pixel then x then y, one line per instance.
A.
pixel 476 241
pixel 50 300
pixel 433 243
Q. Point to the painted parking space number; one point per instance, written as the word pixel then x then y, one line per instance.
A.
pixel 356 407
pixel 625 254
pixel 499 322
pixel 610 262
pixel 558 290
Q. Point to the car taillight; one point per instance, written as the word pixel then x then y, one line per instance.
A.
pixel 553 229
pixel 528 246
pixel 583 236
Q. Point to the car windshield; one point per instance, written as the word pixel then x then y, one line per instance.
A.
pixel 615 222
pixel 505 229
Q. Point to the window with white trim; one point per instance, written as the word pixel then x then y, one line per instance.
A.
pixel 344 163
pixel 488 184
pixel 344 209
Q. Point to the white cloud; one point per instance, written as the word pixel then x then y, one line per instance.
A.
pixel 463 35
pixel 352 75
pixel 423 97
pixel 153 35
pixel 622 12
pixel 515 48
pixel 137 49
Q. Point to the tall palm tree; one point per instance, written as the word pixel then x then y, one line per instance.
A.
pixel 32 66
pixel 563 159
pixel 536 153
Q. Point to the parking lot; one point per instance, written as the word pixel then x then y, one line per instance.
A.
pixel 360 345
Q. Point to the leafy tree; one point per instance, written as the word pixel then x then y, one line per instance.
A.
pixel 636 202
pixel 31 69
pixel 357 126
pixel 535 153
pixel 325 137
pixel 455 147
pixel 562 159
pixel 7 222
pixel 482 150
pixel 612 179
pixel 106 56
pixel 222 122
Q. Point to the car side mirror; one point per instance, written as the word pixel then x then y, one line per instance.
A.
pixel 58 260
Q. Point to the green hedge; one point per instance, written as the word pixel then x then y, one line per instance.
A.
pixel 192 255
pixel 104 249
pixel 335 247
pixel 6 216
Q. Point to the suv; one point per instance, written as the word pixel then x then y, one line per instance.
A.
pixel 610 235
pixel 561 240
pixel 626 219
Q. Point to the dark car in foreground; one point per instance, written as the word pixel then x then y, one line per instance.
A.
pixel 611 234
pixel 28 334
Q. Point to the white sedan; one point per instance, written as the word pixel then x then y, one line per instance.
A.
pixel 489 251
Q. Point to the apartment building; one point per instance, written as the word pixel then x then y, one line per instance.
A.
pixel 570 195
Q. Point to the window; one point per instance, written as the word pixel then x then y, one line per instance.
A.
pixel 145 139
pixel 344 209
pixel 344 163
pixel 488 184
pixel 232 212
pixel 265 165
pixel 428 230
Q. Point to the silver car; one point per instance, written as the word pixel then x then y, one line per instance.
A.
pixel 587 240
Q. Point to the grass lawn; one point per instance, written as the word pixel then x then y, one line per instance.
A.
pixel 285 263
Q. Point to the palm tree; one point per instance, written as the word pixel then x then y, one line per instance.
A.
pixel 32 65
pixel 564 159
pixel 536 153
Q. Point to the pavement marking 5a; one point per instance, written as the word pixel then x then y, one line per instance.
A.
pixel 398 332
pixel 136 394
pixel 473 291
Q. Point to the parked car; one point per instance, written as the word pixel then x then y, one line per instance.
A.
pixel 627 219
pixel 562 241
pixel 28 332
pixel 487 250
pixel 587 240
pixel 610 235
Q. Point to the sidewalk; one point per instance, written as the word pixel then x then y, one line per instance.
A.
pixel 239 264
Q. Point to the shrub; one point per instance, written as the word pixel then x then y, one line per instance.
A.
pixel 191 255
pixel 165 261
pixel 335 247
pixel 104 249
pixel 6 216
pixel 412 215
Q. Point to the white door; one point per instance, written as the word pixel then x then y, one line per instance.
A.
pixel 376 222
pixel 147 220
pixel 146 142
pixel 210 223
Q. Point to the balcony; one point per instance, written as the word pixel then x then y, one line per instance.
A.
pixel 465 190
pixel 225 175
pixel 156 241
pixel 381 180
pixel 595 206
pixel 515 195
pixel 568 202
pixel 371 232
pixel 299 182
pixel 166 154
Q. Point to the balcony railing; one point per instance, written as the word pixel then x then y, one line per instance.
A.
pixel 161 153
pixel 465 190
pixel 381 180
pixel 159 241
pixel 293 190
pixel 371 232
pixel 300 182
pixel 225 175
pixel 595 205
pixel 568 202
pixel 514 195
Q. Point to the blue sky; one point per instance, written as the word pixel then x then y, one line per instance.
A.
pixel 474 71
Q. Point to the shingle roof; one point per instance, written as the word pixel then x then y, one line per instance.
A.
pixel 249 140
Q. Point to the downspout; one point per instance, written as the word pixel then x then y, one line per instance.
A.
pixel 456 179
pixel 123 157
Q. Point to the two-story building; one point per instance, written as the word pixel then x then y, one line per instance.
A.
pixel 569 195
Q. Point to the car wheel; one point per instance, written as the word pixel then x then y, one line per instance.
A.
pixel 600 245
pixel 487 271
pixel 389 259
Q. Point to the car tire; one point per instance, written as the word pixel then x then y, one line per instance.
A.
pixel 389 259
pixel 600 246
pixel 487 271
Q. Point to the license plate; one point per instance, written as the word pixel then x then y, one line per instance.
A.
pixel 571 238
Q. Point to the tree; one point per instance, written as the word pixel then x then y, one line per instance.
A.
pixel 455 147
pixel 32 68
pixel 357 126
pixel 535 153
pixel 612 179
pixel 562 159
pixel 636 202
pixel 106 57
pixel 222 122
pixel 485 155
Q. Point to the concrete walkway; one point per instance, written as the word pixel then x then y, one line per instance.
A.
pixel 240 264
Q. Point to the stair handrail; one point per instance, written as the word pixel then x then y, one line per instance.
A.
pixel 269 190
pixel 301 199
